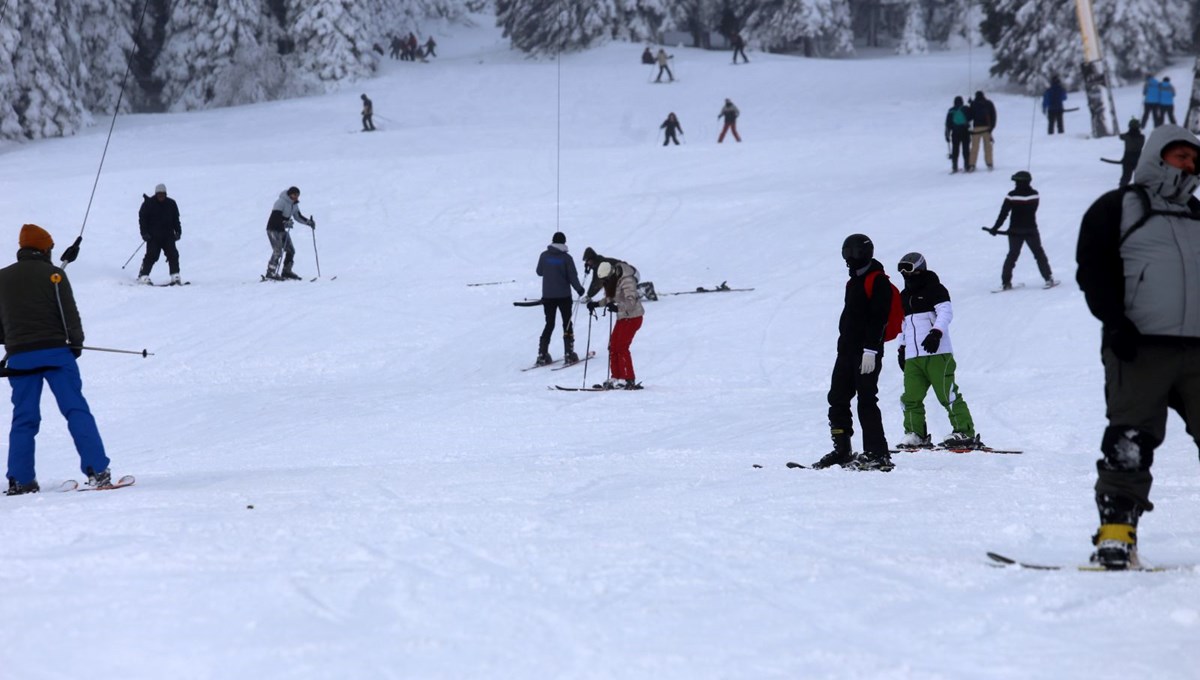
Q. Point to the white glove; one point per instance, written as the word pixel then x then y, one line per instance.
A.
pixel 868 363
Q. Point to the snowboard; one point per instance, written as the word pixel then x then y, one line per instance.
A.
pixel 998 560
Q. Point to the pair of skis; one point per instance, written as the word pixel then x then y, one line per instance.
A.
pixel 590 355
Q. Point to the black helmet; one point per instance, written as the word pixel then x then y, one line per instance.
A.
pixel 858 247
pixel 1022 176
pixel 910 263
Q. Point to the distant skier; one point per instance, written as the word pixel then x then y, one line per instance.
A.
pixel 739 47
pixel 983 122
pixel 663 67
pixel 158 220
pixel 1022 203
pixel 279 226
pixel 1166 102
pixel 431 47
pixel 1134 140
pixel 671 125
pixel 856 369
pixel 1052 105
pixel 620 283
pixel 957 134
pixel 730 113
pixel 368 110
pixel 557 270
pixel 927 360
pixel 1151 96
pixel 647 56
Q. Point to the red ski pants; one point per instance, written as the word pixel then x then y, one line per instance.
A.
pixel 731 126
pixel 620 361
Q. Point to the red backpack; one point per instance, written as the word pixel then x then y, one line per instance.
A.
pixel 896 314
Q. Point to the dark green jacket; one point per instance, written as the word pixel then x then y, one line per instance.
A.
pixel 36 312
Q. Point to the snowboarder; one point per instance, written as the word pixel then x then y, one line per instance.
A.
pixel 368 110
pixel 1136 260
pixel 983 121
pixel 1151 95
pixel 663 66
pixel 43 336
pixel 279 226
pixel 1166 102
pixel 430 47
pixel 730 113
pixel 671 125
pixel 1052 105
pixel 619 279
pixel 158 220
pixel 856 369
pixel 739 47
pixel 647 56
pixel 957 134
pixel 1134 140
pixel 557 270
pixel 1022 202
pixel 926 358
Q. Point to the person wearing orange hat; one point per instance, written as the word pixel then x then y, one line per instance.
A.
pixel 43 336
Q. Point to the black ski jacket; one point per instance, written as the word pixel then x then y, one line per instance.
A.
pixel 1022 202
pixel 864 319
pixel 159 220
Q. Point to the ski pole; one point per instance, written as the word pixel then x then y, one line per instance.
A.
pixel 588 350
pixel 135 252
pixel 144 353
pixel 610 325
pixel 315 253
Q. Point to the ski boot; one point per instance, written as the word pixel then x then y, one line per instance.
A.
pixel 99 480
pixel 962 442
pixel 144 279
pixel 543 358
pixel 841 453
pixel 1116 547
pixel 873 461
pixel 290 275
pixel 175 280
pixel 16 489
pixel 913 441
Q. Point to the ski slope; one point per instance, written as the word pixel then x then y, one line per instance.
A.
pixel 353 479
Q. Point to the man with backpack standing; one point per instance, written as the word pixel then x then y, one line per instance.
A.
pixel 983 121
pixel 957 134
pixel 1138 265
pixel 1022 203
pixel 871 305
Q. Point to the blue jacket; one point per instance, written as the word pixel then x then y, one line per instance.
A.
pixel 1151 91
pixel 1166 93
pixel 557 270
pixel 1053 98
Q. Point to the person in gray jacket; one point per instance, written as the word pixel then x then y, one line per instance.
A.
pixel 557 270
pixel 279 226
pixel 619 280
pixel 1139 263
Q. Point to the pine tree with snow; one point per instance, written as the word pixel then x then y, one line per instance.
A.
pixel 1138 36
pixel 10 128
pixel 912 40
pixel 106 40
pixel 817 27
pixel 333 39
pixel 1033 41
pixel 553 26
pixel 47 71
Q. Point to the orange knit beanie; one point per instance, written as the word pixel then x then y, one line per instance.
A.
pixel 33 236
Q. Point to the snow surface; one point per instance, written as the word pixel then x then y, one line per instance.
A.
pixel 423 509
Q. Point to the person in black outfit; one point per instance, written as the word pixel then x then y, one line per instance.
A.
pixel 557 270
pixel 159 223
pixel 957 133
pixel 647 56
pixel 671 125
pixel 1022 202
pixel 739 47
pixel 1134 140
pixel 368 111
pixel 859 353
pixel 983 122
pixel 1052 105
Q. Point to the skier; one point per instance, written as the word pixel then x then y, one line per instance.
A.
pixel 1134 140
pixel 671 125
pixel 1052 105
pixel 1137 264
pixel 730 113
pixel 1022 202
pixel 957 134
pixel 619 280
pixel 983 121
pixel 1151 94
pixel 662 59
pixel 739 47
pixel 856 369
pixel 279 225
pixel 926 358
pixel 1166 102
pixel 43 336
pixel 591 260
pixel 158 220
pixel 557 270
pixel 368 110
pixel 430 47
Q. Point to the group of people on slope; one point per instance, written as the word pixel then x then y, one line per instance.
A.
pixel 969 127
pixel 1158 101
pixel 671 127
pixel 407 48
pixel 617 279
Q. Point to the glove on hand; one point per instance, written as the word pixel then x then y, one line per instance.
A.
pixel 1122 338
pixel 900 357
pixel 77 351
pixel 72 251
pixel 612 306
pixel 931 341
pixel 178 235
pixel 592 305
pixel 312 221
pixel 868 363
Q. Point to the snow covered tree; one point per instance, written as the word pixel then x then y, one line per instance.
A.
pixel 817 27
pixel 550 26
pixel 912 40
pixel 10 127
pixel 333 38
pixel 47 71
pixel 106 36
pixel 1137 34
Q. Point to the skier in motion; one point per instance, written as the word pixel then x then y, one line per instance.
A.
pixel 279 227
pixel 1022 203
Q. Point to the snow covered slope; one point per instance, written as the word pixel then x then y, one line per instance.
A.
pixel 423 509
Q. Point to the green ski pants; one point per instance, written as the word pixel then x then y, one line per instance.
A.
pixel 937 371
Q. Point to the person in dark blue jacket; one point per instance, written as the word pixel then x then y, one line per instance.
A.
pixel 1052 105
pixel 558 278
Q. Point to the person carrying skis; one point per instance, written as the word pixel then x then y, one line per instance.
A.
pixel 279 226
pixel 1022 203
pixel 1137 267
pixel 619 279
pixel 1052 105
pixel 982 113
pixel 1151 94
pixel 856 369
pixel 730 113
pixel 43 336
pixel 927 360
pixel 557 270
pixel 671 125
pixel 957 134
pixel 368 110
pixel 663 66
pixel 1134 140
pixel 158 220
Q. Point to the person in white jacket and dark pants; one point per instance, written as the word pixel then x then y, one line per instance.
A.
pixel 927 358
